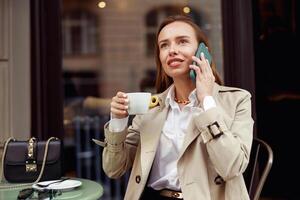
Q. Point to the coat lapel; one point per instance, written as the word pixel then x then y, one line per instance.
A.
pixel 192 133
pixel 151 133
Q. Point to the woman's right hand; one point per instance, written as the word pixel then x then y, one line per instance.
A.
pixel 119 105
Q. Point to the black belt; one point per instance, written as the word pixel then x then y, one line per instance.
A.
pixel 165 194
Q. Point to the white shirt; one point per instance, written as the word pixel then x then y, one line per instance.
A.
pixel 164 169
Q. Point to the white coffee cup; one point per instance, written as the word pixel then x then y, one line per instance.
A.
pixel 138 102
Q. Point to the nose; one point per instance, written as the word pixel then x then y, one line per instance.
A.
pixel 173 50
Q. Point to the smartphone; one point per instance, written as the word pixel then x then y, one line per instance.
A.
pixel 201 49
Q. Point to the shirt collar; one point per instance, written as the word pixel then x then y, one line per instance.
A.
pixel 170 98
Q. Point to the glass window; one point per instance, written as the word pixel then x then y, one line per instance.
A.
pixel 79 33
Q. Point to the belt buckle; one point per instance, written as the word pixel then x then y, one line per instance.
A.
pixel 171 194
pixel 175 194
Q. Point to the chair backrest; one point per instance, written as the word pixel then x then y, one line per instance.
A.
pixel 261 160
pixel 89 156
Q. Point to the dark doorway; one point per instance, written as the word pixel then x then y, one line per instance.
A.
pixel 46 66
pixel 278 91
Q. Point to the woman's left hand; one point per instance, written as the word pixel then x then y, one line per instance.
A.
pixel 204 77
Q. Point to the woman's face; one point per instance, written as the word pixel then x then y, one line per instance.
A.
pixel 177 44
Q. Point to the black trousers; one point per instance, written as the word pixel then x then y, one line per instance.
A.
pixel 151 194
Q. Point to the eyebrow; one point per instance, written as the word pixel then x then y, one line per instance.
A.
pixel 178 37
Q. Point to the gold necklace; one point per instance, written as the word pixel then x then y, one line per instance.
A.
pixel 184 102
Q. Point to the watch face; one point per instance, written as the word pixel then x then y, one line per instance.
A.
pixel 25 193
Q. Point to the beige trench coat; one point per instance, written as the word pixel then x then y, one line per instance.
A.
pixel 223 159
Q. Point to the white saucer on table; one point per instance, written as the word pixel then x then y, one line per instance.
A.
pixel 64 185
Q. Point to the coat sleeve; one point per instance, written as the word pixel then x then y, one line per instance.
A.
pixel 120 149
pixel 230 151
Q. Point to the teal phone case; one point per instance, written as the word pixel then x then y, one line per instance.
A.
pixel 201 48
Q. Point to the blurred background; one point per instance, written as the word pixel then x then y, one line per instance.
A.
pixel 61 61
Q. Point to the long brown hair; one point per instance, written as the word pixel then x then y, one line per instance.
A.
pixel 163 81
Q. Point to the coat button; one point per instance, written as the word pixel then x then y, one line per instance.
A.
pixel 218 180
pixel 138 179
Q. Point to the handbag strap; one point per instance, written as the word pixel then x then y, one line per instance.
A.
pixel 14 186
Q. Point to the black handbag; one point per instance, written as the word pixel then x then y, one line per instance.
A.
pixel 32 161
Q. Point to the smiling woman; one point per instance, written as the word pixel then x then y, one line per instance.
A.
pixel 124 37
pixel 197 125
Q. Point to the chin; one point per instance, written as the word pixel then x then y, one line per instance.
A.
pixel 177 71
pixel 179 74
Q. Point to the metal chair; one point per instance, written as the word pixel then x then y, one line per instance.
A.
pixel 261 160
pixel 89 159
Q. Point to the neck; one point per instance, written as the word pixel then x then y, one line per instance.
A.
pixel 183 88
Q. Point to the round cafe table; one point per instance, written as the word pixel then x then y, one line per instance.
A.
pixel 89 190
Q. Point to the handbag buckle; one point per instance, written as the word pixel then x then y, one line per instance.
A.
pixel 31 162
pixel 30 147
pixel 31 168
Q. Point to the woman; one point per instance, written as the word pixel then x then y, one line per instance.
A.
pixel 195 144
